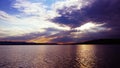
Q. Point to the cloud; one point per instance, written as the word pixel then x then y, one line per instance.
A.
pixel 14 26
pixel 24 37
pixel 30 8
pixel 31 18
pixel 101 11
pixel 69 12
pixel 7 17
pixel 98 11
pixel 63 21
pixel 42 39
pixel 76 4
pixel 92 27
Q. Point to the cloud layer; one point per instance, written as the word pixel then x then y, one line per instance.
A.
pixel 61 20
pixel 99 11
pixel 105 12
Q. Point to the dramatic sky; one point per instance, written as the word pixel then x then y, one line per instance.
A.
pixel 43 21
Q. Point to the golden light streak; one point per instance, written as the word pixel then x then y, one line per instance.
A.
pixel 86 54
pixel 42 39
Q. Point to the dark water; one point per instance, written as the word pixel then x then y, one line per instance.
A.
pixel 57 56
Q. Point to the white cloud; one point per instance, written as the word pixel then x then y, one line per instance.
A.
pixel 78 4
pixel 88 28
pixel 12 31
pixel 92 27
pixel 30 8
pixel 32 18
pixel 7 17
pixel 25 25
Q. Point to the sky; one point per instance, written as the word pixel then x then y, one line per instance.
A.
pixel 59 21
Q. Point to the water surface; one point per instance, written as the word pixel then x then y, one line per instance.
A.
pixel 59 56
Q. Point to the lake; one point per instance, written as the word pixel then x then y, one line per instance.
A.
pixel 60 56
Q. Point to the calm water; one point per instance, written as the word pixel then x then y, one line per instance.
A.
pixel 57 56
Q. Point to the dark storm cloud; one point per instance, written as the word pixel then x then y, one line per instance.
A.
pixel 73 19
pixel 100 11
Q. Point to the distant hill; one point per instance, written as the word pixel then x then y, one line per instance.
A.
pixel 103 41
pixel 98 41
pixel 15 43
pixel 24 43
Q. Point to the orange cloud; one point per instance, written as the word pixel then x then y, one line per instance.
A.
pixel 42 39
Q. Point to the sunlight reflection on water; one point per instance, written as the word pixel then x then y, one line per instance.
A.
pixel 86 54
pixel 78 56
